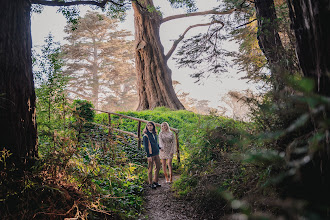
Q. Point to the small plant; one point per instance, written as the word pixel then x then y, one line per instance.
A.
pixel 4 155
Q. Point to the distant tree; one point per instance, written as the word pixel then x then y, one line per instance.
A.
pixel 100 61
pixel 123 96
pixel 193 104
pixel 237 102
pixel 202 106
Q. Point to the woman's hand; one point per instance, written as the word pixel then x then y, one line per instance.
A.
pixel 149 159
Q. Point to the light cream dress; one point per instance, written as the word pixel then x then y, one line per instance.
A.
pixel 167 145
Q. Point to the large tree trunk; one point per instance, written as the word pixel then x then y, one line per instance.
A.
pixel 154 82
pixel 18 127
pixel 270 42
pixel 310 21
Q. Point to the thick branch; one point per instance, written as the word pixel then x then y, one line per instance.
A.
pixel 210 12
pixel 176 42
pixel 245 23
pixel 63 3
pixel 78 94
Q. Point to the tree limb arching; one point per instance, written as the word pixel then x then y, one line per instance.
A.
pixel 210 12
pixel 78 94
pixel 63 3
pixel 176 42
pixel 246 23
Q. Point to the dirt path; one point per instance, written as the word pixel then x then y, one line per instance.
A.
pixel 161 204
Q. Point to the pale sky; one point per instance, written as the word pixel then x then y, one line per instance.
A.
pixel 211 89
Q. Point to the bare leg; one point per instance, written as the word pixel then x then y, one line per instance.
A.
pixel 164 169
pixel 169 163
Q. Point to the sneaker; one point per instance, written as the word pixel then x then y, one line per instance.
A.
pixel 157 184
pixel 152 186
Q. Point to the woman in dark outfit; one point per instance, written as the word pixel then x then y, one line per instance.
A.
pixel 150 142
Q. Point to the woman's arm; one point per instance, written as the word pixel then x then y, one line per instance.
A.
pixel 145 143
pixel 173 144
pixel 161 143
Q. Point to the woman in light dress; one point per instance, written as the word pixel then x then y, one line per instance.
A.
pixel 167 147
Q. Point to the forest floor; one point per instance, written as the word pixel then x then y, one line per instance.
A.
pixel 162 204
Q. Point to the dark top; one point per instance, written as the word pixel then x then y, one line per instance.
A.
pixel 154 144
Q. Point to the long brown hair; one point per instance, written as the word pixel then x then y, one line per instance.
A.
pixel 154 131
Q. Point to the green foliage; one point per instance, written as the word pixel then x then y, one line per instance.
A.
pixel 249 57
pixel 118 11
pixel 214 136
pixel 205 142
pixel 201 138
pixel 108 176
pixel 83 111
pixel 4 154
pixel 292 145
pixel 71 14
pixel 189 4
pixel 185 184
pixel 219 156
pixel 204 53
pixel 29 196
pixel 74 151
pixel 50 91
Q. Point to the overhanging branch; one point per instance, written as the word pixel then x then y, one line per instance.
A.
pixel 70 3
pixel 245 23
pixel 78 94
pixel 210 12
pixel 176 42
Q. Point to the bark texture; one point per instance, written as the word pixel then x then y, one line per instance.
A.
pixel 310 21
pixel 154 82
pixel 18 128
pixel 269 41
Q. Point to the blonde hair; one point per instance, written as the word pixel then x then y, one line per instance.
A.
pixel 168 126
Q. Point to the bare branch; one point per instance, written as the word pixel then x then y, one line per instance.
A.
pixel 80 2
pixel 245 23
pixel 210 12
pixel 78 94
pixel 176 42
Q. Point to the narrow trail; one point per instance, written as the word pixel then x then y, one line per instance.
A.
pixel 161 204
